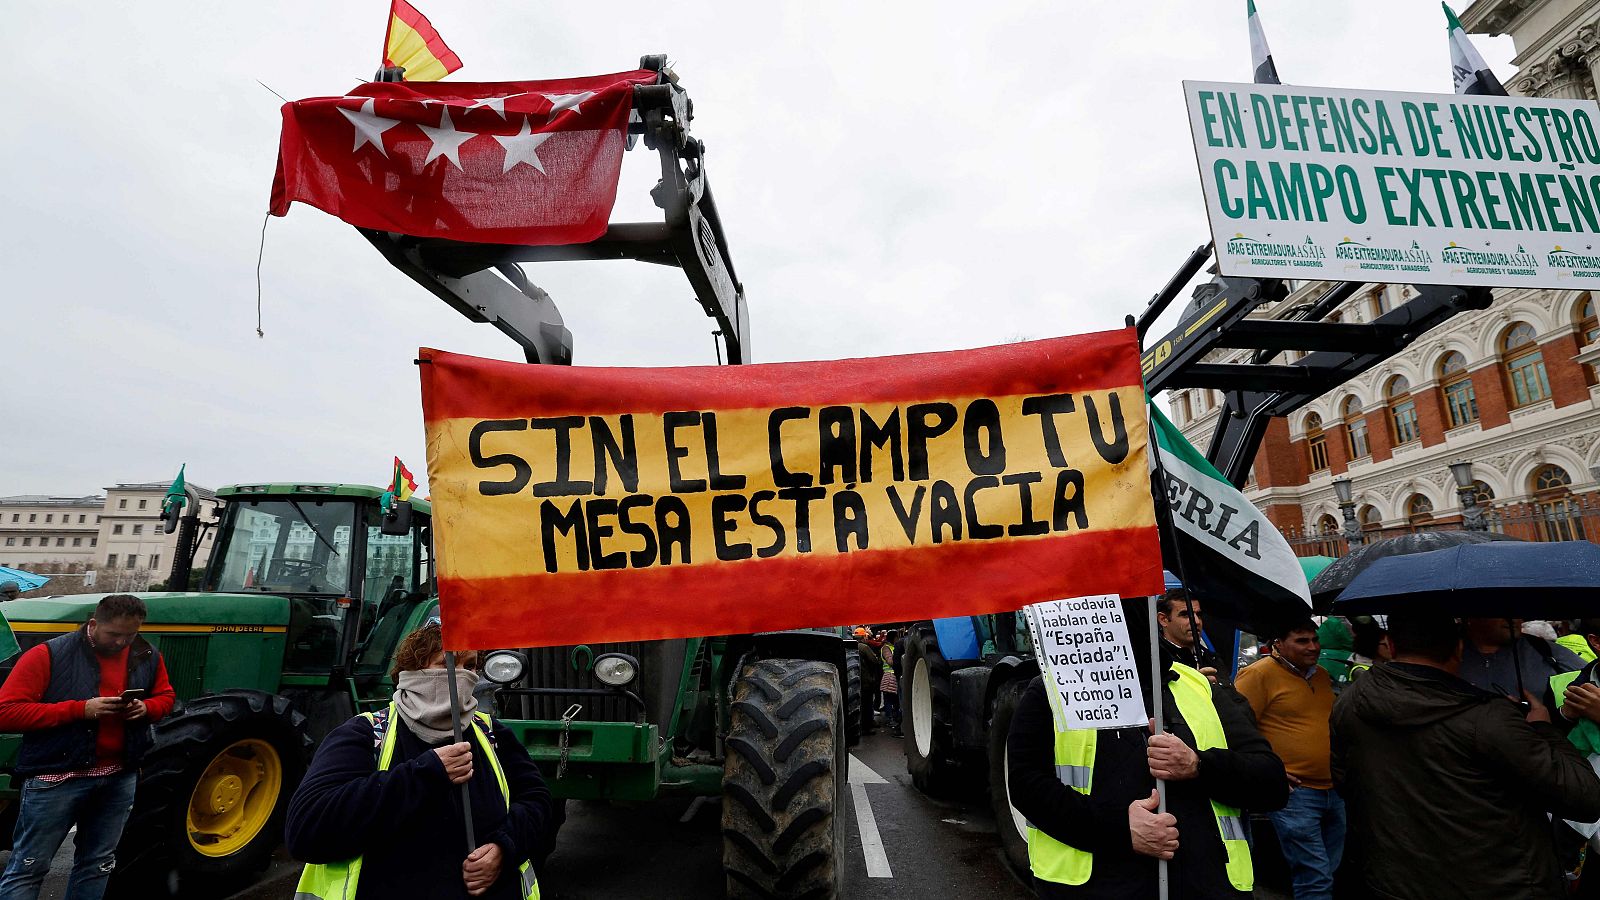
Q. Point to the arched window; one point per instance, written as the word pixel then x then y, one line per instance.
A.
pixel 1524 366
pixel 1356 428
pixel 1402 411
pixel 1559 516
pixel 1328 524
pixel 1589 333
pixel 1460 397
pixel 1316 443
pixel 1419 509
pixel 1369 518
pixel 1482 494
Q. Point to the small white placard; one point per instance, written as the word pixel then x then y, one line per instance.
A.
pixel 1083 651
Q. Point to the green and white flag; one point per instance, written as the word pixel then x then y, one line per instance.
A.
pixel 8 640
pixel 1265 71
pixel 1230 552
pixel 1467 68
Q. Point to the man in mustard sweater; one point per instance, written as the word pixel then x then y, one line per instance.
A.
pixel 1292 698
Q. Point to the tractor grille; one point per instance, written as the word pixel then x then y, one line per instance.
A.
pixel 553 667
pixel 185 657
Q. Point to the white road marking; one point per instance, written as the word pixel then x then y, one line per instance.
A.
pixel 871 841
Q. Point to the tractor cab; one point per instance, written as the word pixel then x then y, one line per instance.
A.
pixel 354 578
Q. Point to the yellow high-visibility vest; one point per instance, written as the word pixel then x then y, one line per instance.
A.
pixel 337 881
pixel 1061 863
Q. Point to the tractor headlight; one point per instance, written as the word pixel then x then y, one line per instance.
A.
pixel 503 666
pixel 616 669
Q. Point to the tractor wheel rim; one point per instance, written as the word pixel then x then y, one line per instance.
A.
pixel 234 798
pixel 922 708
pixel 1017 818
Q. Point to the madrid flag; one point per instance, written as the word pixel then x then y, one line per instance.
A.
pixel 575 505
pixel 517 162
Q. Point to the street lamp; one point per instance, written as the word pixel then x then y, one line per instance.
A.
pixel 1467 493
pixel 1347 505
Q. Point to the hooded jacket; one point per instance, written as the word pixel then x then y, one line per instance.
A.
pixel 1447 788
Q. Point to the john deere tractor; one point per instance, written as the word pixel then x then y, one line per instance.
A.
pixel 293 629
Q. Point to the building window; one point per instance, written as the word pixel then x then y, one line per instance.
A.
pixel 1368 518
pixel 142 503
pixel 27 542
pixel 1524 366
pixel 155 560
pixel 1378 302
pixel 94 542
pixel 1328 525
pixel 77 542
pixel 1558 514
pixel 1482 494
pixel 133 560
pixel 1460 397
pixel 138 529
pixel 1419 510
pixel 116 529
pixel 80 520
pixel 1402 411
pixel 49 518
pixel 111 560
pixel 1356 429
pixel 1185 410
pixel 1316 443
pixel 61 542
pixel 122 504
pixel 33 517
pixel 11 542
pixel 1589 332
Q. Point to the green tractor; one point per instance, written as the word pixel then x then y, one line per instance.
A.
pixel 293 629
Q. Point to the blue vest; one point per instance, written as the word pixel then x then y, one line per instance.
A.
pixel 75 675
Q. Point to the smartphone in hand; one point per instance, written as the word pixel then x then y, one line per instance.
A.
pixel 132 694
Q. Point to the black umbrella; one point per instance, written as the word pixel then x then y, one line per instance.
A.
pixel 1533 581
pixel 1338 576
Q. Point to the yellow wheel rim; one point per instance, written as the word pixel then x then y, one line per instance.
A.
pixel 234 798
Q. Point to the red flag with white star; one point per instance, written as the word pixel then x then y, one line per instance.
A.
pixel 516 162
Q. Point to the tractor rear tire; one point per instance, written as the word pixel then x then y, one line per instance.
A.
pixel 852 696
pixel 925 705
pixel 213 791
pixel 784 781
pixel 1009 824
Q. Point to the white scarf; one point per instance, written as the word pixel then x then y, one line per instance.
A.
pixel 422 698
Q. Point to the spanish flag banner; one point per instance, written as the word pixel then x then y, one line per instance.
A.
pixel 411 43
pixel 577 505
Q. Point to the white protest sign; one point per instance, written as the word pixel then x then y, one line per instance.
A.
pixel 1083 651
pixel 1336 185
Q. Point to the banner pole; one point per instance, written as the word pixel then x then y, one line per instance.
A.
pixel 455 727
pixel 1156 684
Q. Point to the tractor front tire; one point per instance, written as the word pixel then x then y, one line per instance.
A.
pixel 1009 823
pixel 925 706
pixel 214 789
pixel 783 783
pixel 852 696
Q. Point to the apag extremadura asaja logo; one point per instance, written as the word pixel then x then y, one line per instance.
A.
pixel 1267 252
pixel 1366 257
pixel 1489 261
pixel 1568 263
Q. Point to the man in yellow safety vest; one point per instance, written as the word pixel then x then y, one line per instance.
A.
pixel 1090 796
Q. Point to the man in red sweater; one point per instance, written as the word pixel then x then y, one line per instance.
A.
pixel 84 703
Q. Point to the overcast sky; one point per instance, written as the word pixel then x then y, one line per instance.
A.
pixel 893 177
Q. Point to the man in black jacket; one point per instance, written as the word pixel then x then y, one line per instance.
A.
pixel 1116 822
pixel 1449 787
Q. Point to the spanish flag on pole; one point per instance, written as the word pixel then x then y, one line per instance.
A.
pixel 412 44
pixel 403 484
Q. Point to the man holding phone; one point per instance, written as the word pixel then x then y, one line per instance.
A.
pixel 83 702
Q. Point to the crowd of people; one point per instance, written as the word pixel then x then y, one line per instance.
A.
pixel 1409 756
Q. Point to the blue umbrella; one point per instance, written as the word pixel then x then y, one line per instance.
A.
pixel 26 581
pixel 1499 579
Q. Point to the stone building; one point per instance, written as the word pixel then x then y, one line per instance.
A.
pixel 1512 389
pixel 117 534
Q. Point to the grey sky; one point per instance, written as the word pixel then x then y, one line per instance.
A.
pixel 894 178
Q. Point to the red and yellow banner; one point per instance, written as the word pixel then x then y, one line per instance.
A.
pixel 412 43
pixel 576 505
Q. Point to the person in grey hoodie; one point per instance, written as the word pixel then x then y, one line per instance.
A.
pixel 1449 787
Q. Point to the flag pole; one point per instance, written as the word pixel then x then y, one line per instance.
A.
pixel 455 728
pixel 1157 675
